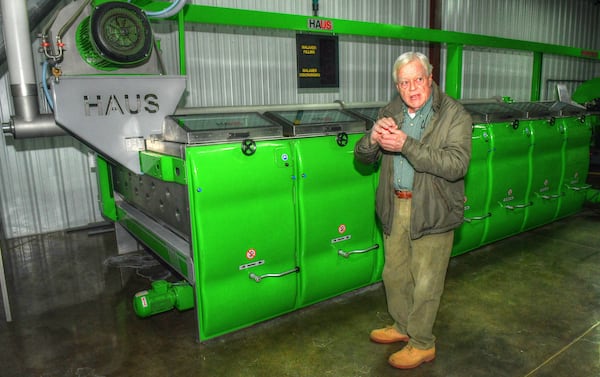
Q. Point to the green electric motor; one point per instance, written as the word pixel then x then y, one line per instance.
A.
pixel 116 35
pixel 162 297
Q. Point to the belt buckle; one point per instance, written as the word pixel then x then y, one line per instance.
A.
pixel 403 194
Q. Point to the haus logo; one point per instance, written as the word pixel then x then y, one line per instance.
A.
pixel 317 24
pixel 103 105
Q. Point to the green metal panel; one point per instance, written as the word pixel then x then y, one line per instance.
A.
pixel 594 121
pixel 243 223
pixel 454 71
pixel 587 92
pixel 511 145
pixel 576 163
pixel 336 200
pixel 536 77
pixel 477 193
pixel 165 168
pixel 181 23
pixel 105 188
pixel 280 211
pixel 155 243
pixel 545 164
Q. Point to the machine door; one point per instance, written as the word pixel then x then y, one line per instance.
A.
pixel 511 145
pixel 546 171
pixel 244 233
pixel 477 190
pixel 339 246
pixel 576 157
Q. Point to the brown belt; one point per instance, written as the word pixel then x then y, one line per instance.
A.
pixel 403 194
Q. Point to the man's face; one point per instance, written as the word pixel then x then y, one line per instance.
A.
pixel 414 85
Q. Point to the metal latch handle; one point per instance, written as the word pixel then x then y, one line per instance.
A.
pixel 575 188
pixel 346 254
pixel 550 197
pixel 258 278
pixel 469 219
pixel 517 206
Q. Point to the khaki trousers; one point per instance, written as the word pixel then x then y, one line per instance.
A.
pixel 413 276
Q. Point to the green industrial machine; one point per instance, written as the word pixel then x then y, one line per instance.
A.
pixel 529 167
pixel 259 206
pixel 477 193
pixel 275 214
pixel 264 212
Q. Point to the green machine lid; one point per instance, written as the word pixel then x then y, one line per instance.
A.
pixel 317 122
pixel 493 112
pixel 219 128
pixel 588 92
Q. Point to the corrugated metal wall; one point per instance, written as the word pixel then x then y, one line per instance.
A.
pixel 49 184
pixel 46 184
pixel 239 66
pixel 489 73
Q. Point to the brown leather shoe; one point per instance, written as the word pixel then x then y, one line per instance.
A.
pixel 388 334
pixel 410 357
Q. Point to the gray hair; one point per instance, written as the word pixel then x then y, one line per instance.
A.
pixel 409 57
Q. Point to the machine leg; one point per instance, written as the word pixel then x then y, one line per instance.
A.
pixel 5 301
pixel 126 243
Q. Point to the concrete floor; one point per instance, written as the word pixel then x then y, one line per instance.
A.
pixel 525 306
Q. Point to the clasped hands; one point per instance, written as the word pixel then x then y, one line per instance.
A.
pixel 386 133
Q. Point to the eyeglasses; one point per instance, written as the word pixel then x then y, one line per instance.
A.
pixel 418 82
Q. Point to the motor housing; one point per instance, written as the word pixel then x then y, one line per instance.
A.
pixel 115 35
pixel 162 297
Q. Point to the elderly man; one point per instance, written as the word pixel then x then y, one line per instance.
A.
pixel 423 139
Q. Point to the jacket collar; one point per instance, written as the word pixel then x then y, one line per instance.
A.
pixel 437 97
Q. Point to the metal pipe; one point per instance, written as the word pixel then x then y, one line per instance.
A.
pixel 43 125
pixel 20 58
pixel 27 121
pixel 36 13
pixel 72 19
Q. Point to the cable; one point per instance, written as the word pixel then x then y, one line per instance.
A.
pixel 72 19
pixel 45 85
pixel 133 260
pixel 143 263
